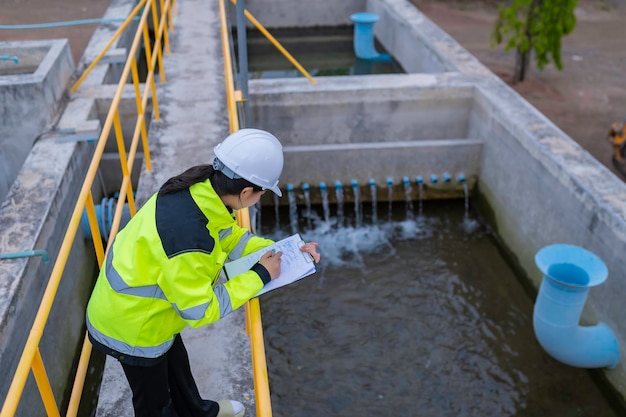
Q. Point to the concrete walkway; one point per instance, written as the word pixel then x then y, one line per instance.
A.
pixel 193 119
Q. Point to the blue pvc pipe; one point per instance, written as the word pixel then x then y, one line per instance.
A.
pixel 363 41
pixel 568 273
pixel 62 24
pixel 26 254
pixel 104 215
pixel 13 58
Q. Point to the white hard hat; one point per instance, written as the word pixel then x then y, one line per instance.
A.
pixel 252 154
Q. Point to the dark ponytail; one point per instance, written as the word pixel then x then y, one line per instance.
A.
pixel 200 173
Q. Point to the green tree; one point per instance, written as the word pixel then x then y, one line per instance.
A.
pixel 534 25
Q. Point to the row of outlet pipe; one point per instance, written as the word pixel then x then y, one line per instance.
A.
pixel 446 178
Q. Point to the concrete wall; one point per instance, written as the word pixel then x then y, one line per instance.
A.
pixel 301 13
pixel 34 216
pixel 363 109
pixel 30 94
pixel 554 192
pixel 371 127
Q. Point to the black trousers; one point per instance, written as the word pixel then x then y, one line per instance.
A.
pixel 167 389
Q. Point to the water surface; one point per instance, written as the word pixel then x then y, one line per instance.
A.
pixel 414 317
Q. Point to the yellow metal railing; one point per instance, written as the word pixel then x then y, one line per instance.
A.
pixel 31 359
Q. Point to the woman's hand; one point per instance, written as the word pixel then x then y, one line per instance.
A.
pixel 311 249
pixel 271 262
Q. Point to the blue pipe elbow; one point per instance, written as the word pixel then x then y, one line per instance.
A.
pixel 13 58
pixel 363 41
pixel 26 254
pixel 569 271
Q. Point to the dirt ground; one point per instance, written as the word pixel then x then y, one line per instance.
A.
pixel 583 99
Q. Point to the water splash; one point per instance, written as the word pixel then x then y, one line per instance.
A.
pixel 307 202
pixel 276 212
pixel 469 225
pixel 408 191
pixel 339 195
pixel 466 193
pixel 357 204
pixel 390 197
pixel 374 204
pixel 420 198
pixel 347 246
pixel 325 204
pixel 257 216
pixel 293 209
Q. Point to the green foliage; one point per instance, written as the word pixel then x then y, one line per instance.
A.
pixel 535 25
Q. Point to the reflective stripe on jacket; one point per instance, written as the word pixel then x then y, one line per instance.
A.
pixel 160 273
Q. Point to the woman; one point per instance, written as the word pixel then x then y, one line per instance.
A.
pixel 160 274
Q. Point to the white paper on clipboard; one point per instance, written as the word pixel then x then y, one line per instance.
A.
pixel 294 264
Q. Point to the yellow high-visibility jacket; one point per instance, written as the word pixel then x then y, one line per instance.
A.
pixel 161 271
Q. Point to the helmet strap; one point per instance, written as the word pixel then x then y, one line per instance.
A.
pixel 219 166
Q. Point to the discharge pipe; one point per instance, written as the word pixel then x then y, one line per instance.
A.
pixel 363 41
pixel 568 273
pixel 13 58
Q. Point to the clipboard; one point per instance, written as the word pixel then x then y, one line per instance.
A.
pixel 294 264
